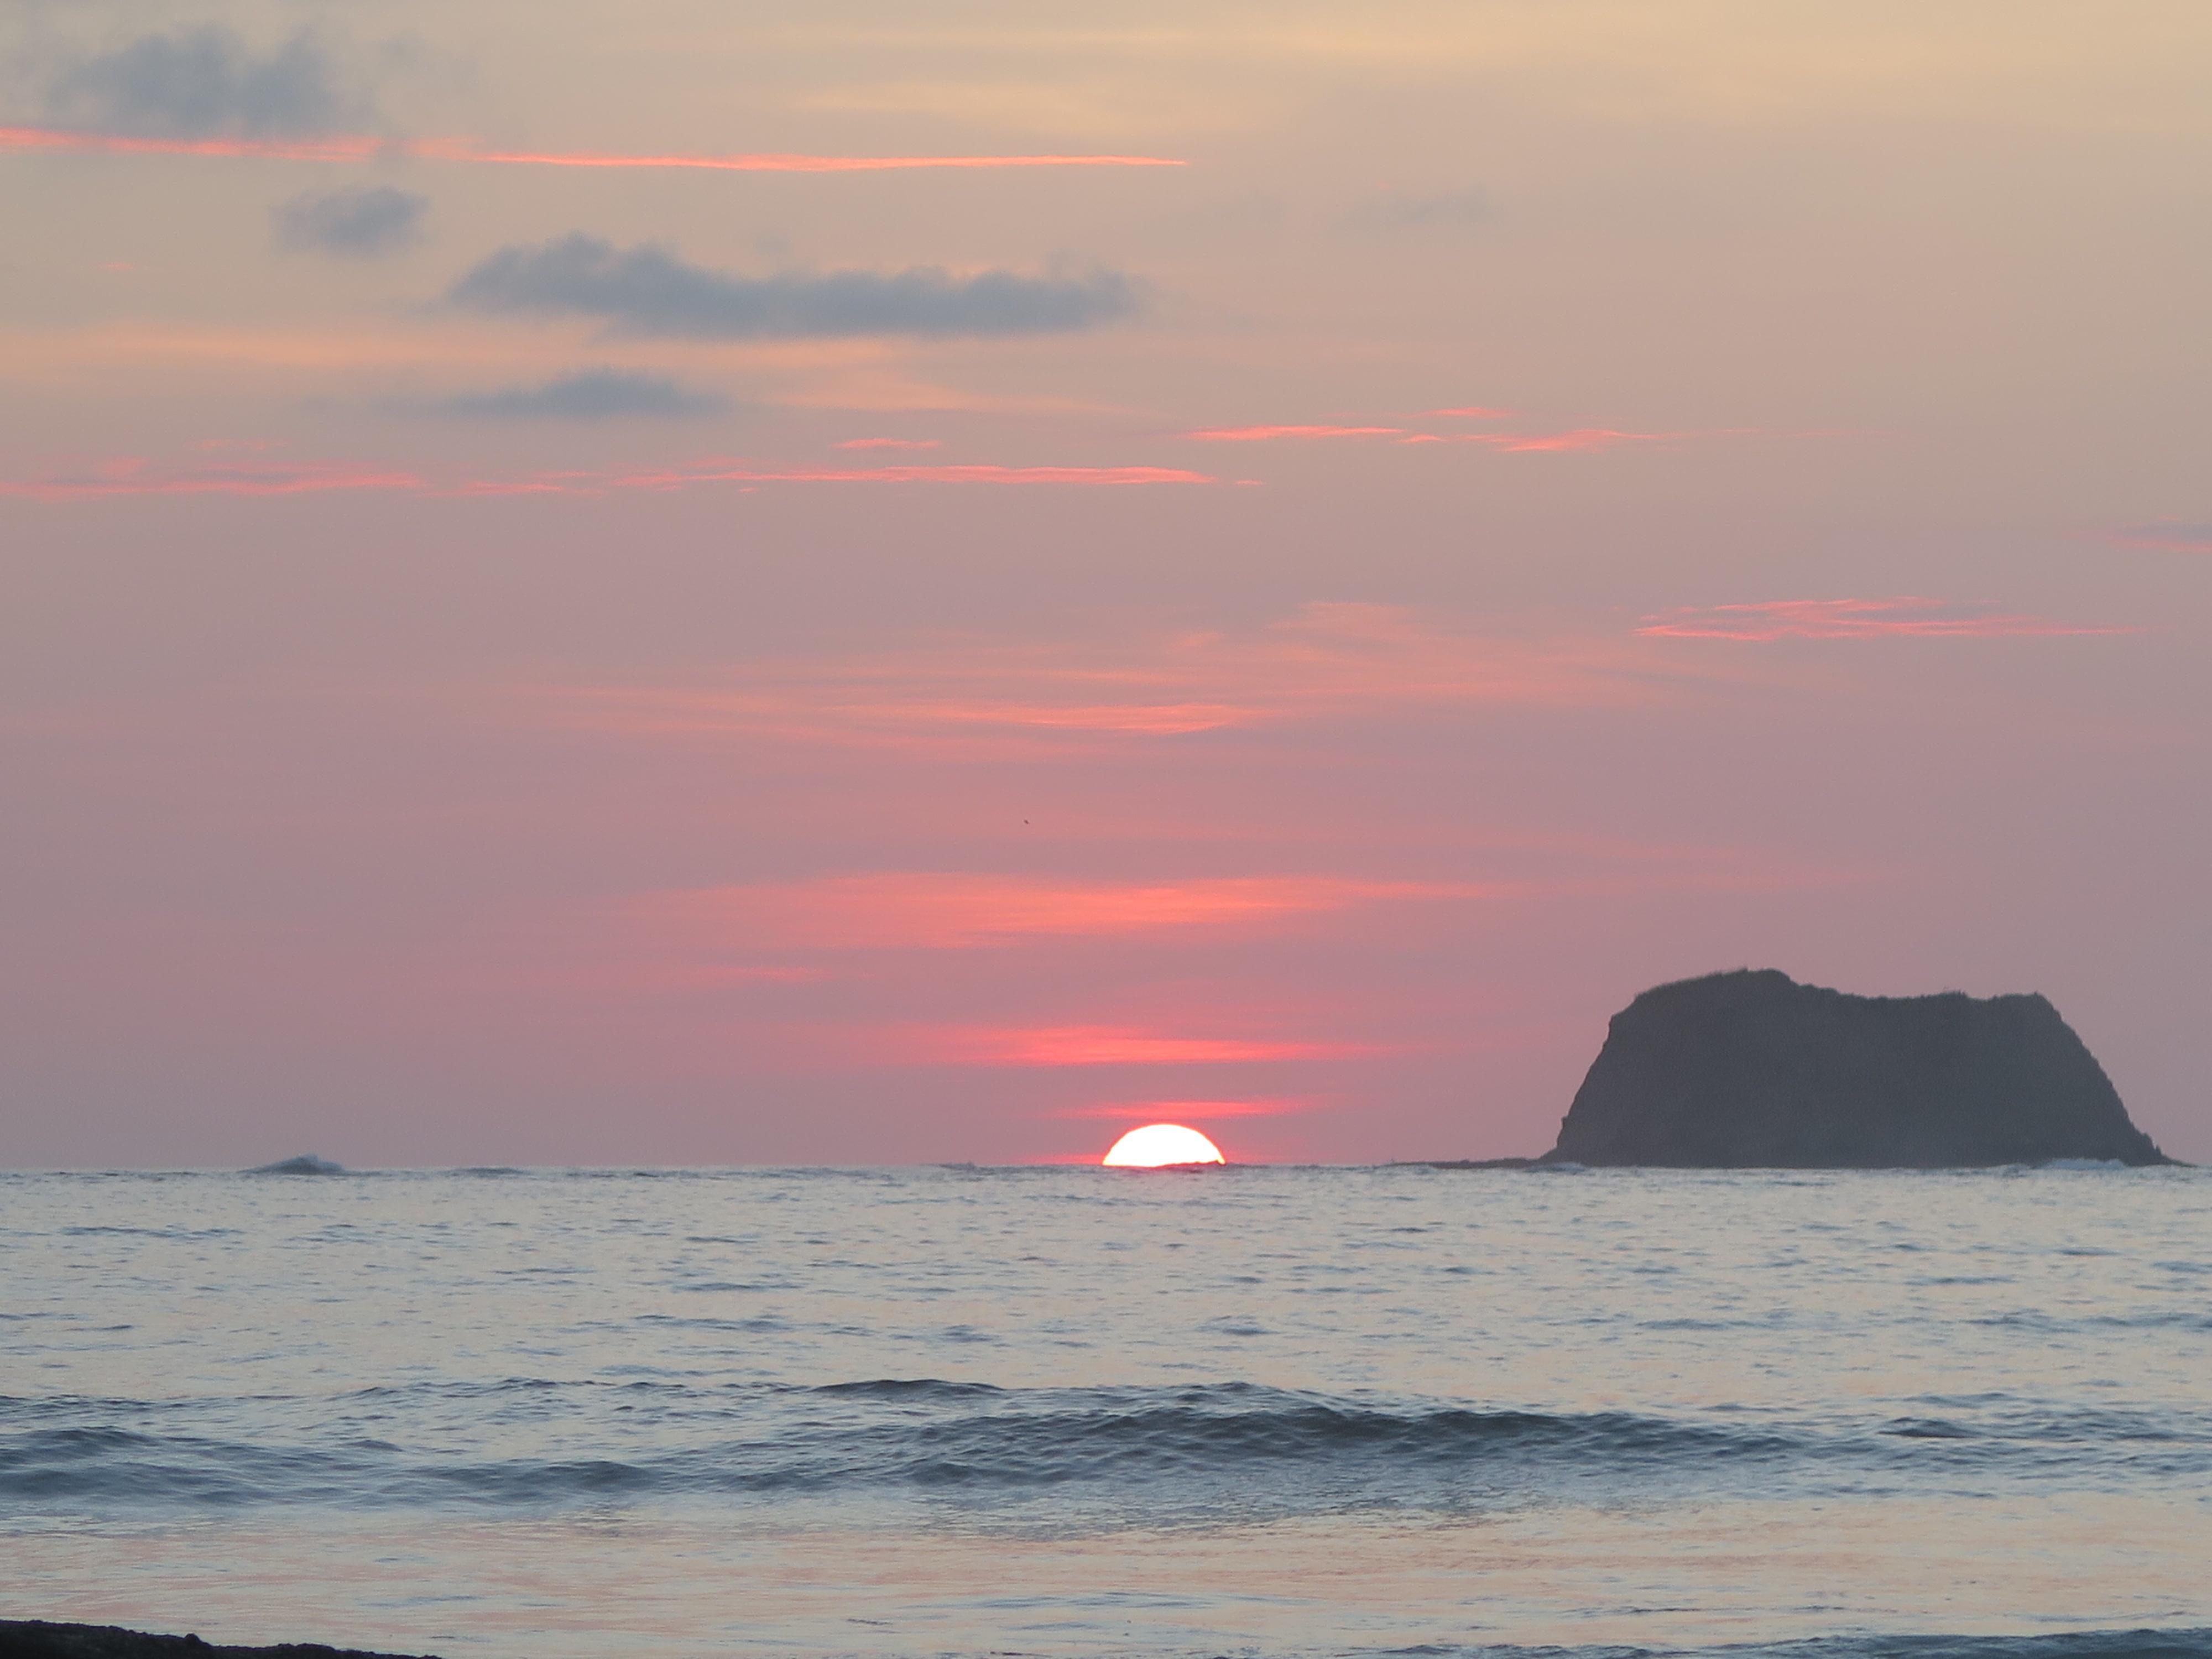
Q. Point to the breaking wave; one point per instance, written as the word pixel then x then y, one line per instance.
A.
pixel 1237 1444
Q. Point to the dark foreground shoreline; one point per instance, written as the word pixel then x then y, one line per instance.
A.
pixel 34 1639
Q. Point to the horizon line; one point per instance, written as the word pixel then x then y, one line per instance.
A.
pixel 1510 1164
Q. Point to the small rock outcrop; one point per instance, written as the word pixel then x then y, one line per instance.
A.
pixel 1751 1070
pixel 306 1163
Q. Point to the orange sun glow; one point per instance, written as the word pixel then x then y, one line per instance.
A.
pixel 1157 1146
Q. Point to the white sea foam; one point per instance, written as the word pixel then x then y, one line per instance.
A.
pixel 2084 1163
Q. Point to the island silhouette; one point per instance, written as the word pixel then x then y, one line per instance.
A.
pixel 1749 1069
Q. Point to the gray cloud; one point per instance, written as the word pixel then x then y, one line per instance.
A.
pixel 208 83
pixel 649 290
pixel 359 223
pixel 593 394
pixel 1451 209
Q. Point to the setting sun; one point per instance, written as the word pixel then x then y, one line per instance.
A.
pixel 1156 1145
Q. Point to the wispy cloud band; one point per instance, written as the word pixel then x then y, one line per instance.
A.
pixel 130 479
pixel 947 910
pixel 2169 536
pixel 949 473
pixel 650 291
pixel 1100 1045
pixel 208 82
pixel 578 396
pixel 356 223
pixel 1259 434
pixel 1906 616
pixel 592 394
pixel 358 147
pixel 1179 1111
pixel 1327 662
pixel 1573 440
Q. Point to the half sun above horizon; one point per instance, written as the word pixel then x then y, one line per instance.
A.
pixel 1161 1145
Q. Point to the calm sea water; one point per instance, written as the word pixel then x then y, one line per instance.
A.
pixel 1251 1411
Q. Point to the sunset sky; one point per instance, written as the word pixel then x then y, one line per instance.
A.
pixel 1391 529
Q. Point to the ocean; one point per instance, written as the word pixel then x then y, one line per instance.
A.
pixel 1242 1411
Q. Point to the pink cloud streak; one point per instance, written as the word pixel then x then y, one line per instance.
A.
pixel 1256 435
pixel 2167 537
pixel 1582 439
pixel 1175 1111
pixel 1905 618
pixel 1578 439
pixel 775 162
pixel 1102 1045
pixel 936 910
pixel 927 474
pixel 356 148
pixel 129 476
pixel 1325 661
pixel 123 478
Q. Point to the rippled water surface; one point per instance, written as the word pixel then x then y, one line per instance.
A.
pixel 1263 1411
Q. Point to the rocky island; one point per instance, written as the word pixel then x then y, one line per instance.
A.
pixel 1752 1070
